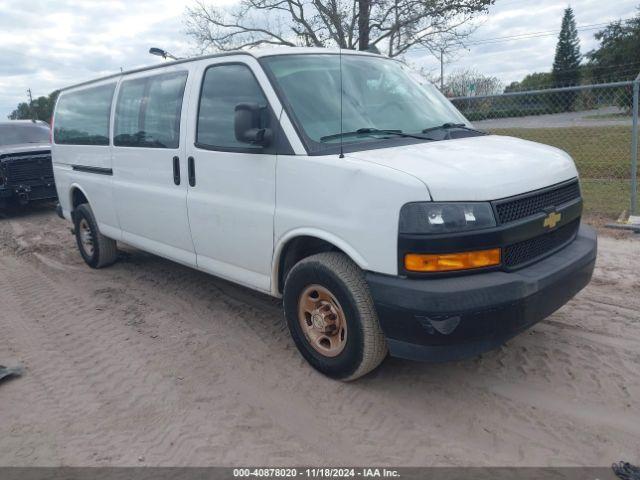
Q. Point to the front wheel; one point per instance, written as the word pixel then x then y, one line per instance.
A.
pixel 97 250
pixel 332 318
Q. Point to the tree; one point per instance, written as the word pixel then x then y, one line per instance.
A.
pixel 618 56
pixel 465 83
pixel 566 64
pixel 389 26
pixel 42 107
pixel 533 81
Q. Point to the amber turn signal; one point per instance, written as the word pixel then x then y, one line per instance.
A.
pixel 448 262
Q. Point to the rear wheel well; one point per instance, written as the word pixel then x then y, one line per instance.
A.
pixel 77 198
pixel 297 249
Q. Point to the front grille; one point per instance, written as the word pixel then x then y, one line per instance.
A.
pixel 27 169
pixel 522 253
pixel 510 210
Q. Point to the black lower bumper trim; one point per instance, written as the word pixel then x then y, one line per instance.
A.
pixel 24 194
pixel 453 318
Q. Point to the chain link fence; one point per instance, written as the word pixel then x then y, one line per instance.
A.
pixel 596 124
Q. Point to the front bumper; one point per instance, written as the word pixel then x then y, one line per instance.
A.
pixel 447 319
pixel 28 193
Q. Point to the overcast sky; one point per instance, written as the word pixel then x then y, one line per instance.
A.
pixel 46 45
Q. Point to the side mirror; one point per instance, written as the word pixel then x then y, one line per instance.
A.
pixel 247 125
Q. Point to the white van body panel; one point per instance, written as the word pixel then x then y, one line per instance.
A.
pixel 232 206
pixel 352 204
pixel 477 168
pixel 153 210
pixel 96 187
pixel 65 183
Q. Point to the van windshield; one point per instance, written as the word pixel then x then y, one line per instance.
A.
pixel 381 98
pixel 23 133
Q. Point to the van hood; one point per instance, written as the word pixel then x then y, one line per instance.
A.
pixel 477 168
pixel 24 147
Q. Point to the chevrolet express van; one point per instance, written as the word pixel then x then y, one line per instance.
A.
pixel 340 182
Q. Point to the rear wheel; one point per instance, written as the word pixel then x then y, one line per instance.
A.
pixel 97 250
pixel 331 316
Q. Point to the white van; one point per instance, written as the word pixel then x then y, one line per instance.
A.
pixel 339 182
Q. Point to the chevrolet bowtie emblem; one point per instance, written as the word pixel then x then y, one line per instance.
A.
pixel 552 219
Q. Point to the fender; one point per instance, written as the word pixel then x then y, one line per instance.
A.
pixel 72 187
pixel 108 230
pixel 328 237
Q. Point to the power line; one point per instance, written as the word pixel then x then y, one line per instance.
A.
pixel 522 36
pixel 526 36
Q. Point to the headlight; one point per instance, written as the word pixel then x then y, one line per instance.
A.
pixel 431 217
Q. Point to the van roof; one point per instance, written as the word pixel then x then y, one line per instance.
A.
pixel 256 53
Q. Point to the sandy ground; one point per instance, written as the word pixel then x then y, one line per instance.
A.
pixel 151 363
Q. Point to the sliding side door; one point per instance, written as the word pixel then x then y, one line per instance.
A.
pixel 149 164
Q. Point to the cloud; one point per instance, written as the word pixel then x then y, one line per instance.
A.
pixel 45 45
pixel 512 59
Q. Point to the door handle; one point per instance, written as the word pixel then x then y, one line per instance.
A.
pixel 192 172
pixel 176 170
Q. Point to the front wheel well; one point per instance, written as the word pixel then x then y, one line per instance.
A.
pixel 299 248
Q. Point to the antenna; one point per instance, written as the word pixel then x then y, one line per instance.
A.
pixel 341 129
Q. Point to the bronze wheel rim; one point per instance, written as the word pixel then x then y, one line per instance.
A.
pixel 322 320
pixel 86 237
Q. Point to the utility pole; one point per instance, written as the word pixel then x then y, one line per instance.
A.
pixel 34 117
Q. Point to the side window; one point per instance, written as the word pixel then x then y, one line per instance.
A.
pixel 224 87
pixel 128 112
pixel 148 111
pixel 82 117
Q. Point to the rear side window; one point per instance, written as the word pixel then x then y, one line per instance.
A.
pixel 224 87
pixel 82 117
pixel 148 111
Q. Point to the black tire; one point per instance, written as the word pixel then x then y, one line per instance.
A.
pixel 104 251
pixel 365 346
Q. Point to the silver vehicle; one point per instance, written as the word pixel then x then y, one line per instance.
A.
pixel 26 173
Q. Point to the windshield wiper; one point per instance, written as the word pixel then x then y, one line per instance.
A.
pixel 371 131
pixel 449 126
